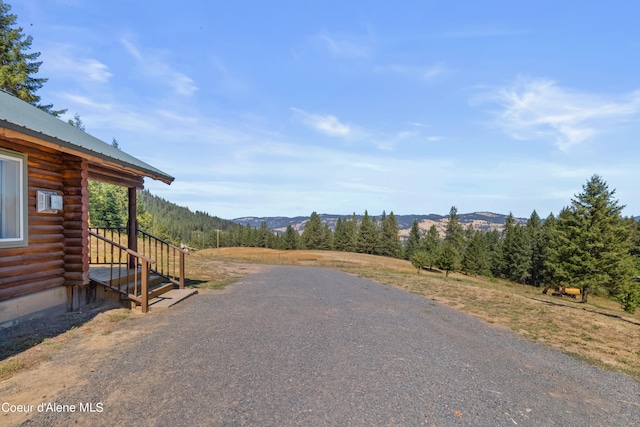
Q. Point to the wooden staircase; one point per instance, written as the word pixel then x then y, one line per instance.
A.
pixel 136 278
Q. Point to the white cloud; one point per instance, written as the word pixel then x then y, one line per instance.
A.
pixel 63 60
pixel 153 65
pixel 329 125
pixel 342 47
pixel 540 109
pixel 131 48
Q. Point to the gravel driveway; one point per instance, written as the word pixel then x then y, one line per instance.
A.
pixel 315 347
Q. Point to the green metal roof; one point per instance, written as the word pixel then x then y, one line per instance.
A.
pixel 23 117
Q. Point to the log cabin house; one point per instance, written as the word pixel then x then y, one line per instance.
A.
pixel 45 165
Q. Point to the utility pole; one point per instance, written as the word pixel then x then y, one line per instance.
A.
pixel 217 238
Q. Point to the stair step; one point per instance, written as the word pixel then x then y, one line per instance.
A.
pixel 169 299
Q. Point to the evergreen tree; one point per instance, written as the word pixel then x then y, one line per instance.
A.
pixel 351 232
pixel 449 257
pixel 290 238
pixel 340 238
pixel 454 233
pixel 454 240
pixel 592 245
pixel 493 242
pixel 474 260
pixel 634 233
pixel 376 232
pixel 327 238
pixel 313 233
pixel 265 236
pixel 420 260
pixel 517 254
pixel 367 238
pixel 430 245
pixel 538 250
pixel 390 238
pixel 413 242
pixel 18 66
pixel 76 122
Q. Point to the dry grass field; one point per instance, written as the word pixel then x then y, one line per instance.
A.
pixel 599 332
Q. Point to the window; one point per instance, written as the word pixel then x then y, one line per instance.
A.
pixel 13 199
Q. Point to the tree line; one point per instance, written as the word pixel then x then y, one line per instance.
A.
pixel 588 245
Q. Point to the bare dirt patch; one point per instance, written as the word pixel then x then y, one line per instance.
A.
pixel 61 360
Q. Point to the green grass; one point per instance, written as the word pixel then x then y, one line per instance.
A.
pixel 119 315
pixel 10 367
pixel 216 284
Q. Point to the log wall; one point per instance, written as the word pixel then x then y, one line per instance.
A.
pixel 57 253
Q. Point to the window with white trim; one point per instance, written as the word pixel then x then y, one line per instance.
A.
pixel 13 199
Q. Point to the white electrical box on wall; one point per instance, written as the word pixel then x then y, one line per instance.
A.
pixel 48 202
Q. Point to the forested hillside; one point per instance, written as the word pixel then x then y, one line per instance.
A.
pixel 177 224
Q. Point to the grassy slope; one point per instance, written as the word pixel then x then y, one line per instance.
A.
pixel 599 332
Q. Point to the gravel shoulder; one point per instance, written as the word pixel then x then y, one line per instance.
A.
pixel 313 346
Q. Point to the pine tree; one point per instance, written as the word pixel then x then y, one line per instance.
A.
pixel 431 246
pixel 265 236
pixel 538 250
pixel 454 240
pixel 420 260
pixel 313 233
pixel 327 238
pixel 634 233
pixel 351 232
pixel 592 245
pixel 454 233
pixel 367 238
pixel 494 242
pixel 475 260
pixel 413 242
pixel 390 238
pixel 340 239
pixel 290 238
pixel 18 67
pixel 449 257
pixel 517 252
pixel 376 232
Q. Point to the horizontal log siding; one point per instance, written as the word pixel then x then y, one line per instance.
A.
pixel 42 264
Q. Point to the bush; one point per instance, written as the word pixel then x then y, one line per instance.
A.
pixel 628 295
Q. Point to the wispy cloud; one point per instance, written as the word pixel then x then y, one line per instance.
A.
pixel 131 48
pixel 327 124
pixel 64 60
pixel 427 73
pixel 540 109
pixel 153 65
pixel 342 46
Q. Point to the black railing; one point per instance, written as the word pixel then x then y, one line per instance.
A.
pixel 131 269
pixel 117 274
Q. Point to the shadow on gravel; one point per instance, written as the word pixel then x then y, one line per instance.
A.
pixel 26 334
pixel 193 282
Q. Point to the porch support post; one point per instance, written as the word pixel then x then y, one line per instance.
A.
pixel 132 226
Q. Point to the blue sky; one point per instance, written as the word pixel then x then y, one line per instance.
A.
pixel 281 108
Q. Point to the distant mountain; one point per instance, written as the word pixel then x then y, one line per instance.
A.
pixel 485 221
